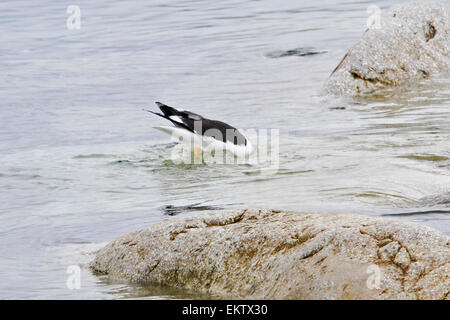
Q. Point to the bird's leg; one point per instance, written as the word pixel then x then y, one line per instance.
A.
pixel 198 154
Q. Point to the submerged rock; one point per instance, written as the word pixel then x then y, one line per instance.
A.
pixel 411 42
pixel 266 254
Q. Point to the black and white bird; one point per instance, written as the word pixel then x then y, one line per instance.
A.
pixel 203 133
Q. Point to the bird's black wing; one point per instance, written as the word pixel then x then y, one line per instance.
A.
pixel 169 113
pixel 206 127
pixel 222 131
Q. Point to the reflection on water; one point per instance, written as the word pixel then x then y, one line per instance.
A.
pixel 81 163
pixel 418 213
pixel 300 52
pixel 174 210
pixel 125 290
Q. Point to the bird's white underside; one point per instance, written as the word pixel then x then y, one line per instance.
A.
pixel 207 144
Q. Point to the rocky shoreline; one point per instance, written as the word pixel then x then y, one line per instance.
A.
pixel 407 43
pixel 270 254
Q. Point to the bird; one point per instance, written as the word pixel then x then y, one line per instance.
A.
pixel 204 134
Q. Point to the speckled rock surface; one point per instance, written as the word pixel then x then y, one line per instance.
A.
pixel 411 43
pixel 265 254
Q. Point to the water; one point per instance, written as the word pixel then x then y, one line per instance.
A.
pixel 81 164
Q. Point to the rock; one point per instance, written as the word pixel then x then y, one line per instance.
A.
pixel 411 43
pixel 402 259
pixel 266 254
pixel 387 253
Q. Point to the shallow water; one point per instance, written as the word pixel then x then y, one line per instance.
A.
pixel 82 165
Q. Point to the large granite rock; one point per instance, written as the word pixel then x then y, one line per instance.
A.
pixel 285 255
pixel 411 43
